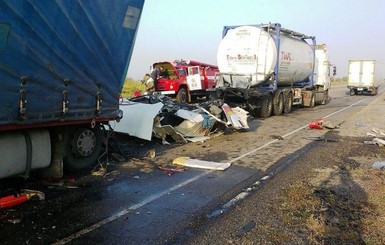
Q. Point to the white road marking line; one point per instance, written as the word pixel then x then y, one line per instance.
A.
pixel 242 195
pixel 128 210
pixel 292 132
pixel 176 187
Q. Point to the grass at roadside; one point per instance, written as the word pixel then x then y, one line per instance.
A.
pixel 130 86
pixel 340 204
pixel 329 195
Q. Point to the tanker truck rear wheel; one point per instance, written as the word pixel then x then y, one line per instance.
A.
pixel 182 96
pixel 278 104
pixel 266 107
pixel 288 105
pixel 82 148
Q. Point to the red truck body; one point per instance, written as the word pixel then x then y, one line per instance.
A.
pixel 185 79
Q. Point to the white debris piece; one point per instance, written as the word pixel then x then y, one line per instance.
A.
pixel 194 163
pixel 138 119
pixel 231 116
pixel 378 165
pixel 242 114
pixel 379 141
pixel 379 131
pixel 190 115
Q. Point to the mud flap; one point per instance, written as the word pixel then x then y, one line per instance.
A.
pixel 307 97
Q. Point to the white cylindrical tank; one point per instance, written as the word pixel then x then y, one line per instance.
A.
pixel 249 55
pixel 14 151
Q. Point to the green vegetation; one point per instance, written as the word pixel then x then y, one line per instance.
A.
pixel 130 86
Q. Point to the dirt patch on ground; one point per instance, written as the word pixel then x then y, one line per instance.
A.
pixel 330 195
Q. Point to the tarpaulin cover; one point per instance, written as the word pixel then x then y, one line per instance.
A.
pixel 66 50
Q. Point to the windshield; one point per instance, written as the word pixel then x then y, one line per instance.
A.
pixel 181 71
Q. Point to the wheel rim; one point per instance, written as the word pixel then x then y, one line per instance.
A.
pixel 183 97
pixel 85 144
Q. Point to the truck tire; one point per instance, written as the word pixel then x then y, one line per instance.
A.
pixel 352 92
pixel 278 104
pixel 82 148
pixel 182 96
pixel 288 105
pixel 266 107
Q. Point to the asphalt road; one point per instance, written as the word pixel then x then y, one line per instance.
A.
pixel 143 205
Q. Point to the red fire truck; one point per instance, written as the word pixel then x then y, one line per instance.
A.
pixel 185 80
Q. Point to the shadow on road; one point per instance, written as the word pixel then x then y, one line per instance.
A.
pixel 343 207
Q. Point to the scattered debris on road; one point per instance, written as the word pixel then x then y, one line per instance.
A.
pixel 277 137
pixel 246 228
pixel 378 165
pixel 152 115
pixel 171 171
pixel 67 182
pixel 99 170
pixel 361 124
pixel 19 198
pixel 321 138
pixel 378 131
pixel 322 123
pixel 194 163
pixel 376 141
pixel 110 176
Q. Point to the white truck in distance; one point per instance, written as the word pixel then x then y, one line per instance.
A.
pixel 364 76
pixel 269 69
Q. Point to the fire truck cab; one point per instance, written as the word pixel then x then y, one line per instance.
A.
pixel 185 80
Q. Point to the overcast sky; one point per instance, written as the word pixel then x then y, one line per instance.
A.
pixel 192 29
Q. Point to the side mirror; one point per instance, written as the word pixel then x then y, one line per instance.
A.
pixel 334 70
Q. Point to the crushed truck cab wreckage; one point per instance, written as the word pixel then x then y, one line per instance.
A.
pixel 156 115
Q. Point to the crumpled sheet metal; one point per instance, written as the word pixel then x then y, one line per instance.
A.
pixel 149 115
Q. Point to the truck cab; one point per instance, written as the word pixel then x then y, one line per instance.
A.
pixel 323 72
pixel 185 80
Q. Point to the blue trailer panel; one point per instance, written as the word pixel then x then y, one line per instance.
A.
pixel 64 60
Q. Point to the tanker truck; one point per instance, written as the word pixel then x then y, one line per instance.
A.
pixel 267 69
pixel 62 68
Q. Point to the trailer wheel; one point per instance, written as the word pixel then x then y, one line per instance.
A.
pixel 182 96
pixel 278 104
pixel 82 148
pixel 288 105
pixel 266 107
pixel 352 92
